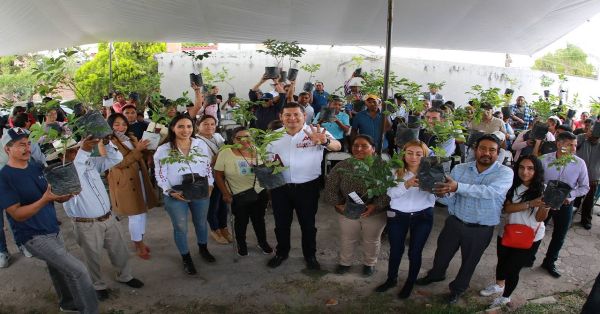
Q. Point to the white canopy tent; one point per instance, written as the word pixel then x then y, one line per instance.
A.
pixel 513 26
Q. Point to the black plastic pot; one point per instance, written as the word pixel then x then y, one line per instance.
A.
pixel 63 179
pixel 271 72
pixel 539 131
pixel 474 135
pixel 267 179
pixel 506 111
pixel 292 74
pixel 571 113
pixel 193 186
pixel 357 72
pixel 327 114
pixel 231 95
pixel 211 99
pixel 556 193
pixel 546 93
pixel 353 210
pixel 94 124
pixel 413 121
pixel 548 147
pixel 358 105
pixel 431 171
pixel 596 129
pixel 308 87
pixel 196 79
pixel 283 77
pixel 508 91
pixel 405 135
pixel 436 103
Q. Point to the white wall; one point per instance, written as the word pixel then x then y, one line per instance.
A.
pixel 247 66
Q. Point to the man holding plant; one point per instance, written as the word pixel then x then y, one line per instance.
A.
pixel 301 151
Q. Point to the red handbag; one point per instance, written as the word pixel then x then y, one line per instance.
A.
pixel 518 236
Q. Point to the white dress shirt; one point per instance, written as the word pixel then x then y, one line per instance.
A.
pixel 409 200
pixel 93 201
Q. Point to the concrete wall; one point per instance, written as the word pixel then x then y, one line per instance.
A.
pixel 247 66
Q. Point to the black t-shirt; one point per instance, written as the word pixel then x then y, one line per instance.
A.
pixel 26 186
pixel 138 128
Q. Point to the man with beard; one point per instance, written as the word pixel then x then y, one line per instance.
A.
pixel 475 194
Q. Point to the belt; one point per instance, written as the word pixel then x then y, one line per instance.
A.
pixel 100 219
pixel 470 224
pixel 296 185
pixel 399 213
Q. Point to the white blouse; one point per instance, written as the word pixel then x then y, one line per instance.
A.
pixel 525 217
pixel 409 200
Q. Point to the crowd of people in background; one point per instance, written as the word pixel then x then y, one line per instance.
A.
pixel 499 179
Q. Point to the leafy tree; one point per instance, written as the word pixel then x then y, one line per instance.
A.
pixel 571 60
pixel 134 69
pixel 16 79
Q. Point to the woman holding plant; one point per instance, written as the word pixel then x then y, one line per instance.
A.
pixel 523 206
pixel 371 222
pixel 182 157
pixel 410 210
pixel 217 210
pixel 131 191
pixel 234 175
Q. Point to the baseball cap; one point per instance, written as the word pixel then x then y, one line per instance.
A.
pixel 371 96
pixel 13 134
pixel 267 96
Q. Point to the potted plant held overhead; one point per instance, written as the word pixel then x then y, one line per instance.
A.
pixel 193 186
pixel 557 191
pixel 377 176
pixel 311 69
pixel 196 78
pixel 269 172
pixel 279 50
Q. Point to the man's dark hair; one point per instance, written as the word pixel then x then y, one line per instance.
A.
pixel 304 94
pixel 588 120
pixel 438 110
pixel 487 137
pixel 566 136
pixel 128 107
pixel 486 106
pixel 565 128
pixel 292 104
pixel 20 120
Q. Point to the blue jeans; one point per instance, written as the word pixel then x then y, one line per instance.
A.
pixel 3 248
pixel 217 210
pixel 420 225
pixel 178 211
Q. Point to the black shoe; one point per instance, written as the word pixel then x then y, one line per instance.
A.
pixel 387 285
pixel 276 261
pixel 551 269
pixel 206 254
pixel 242 249
pixel 587 226
pixel 312 263
pixel 368 271
pixel 341 269
pixel 266 248
pixel 102 294
pixel 406 290
pixel 453 297
pixel 427 280
pixel 188 264
pixel 134 283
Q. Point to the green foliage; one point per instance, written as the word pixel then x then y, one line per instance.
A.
pixel 376 174
pixel 134 69
pixel 282 49
pixel 37 131
pixel 210 79
pixel 357 61
pixel 562 161
pixel 436 85
pixel 197 56
pixel 480 95
pixel 444 131
pixel 242 113
pixel 571 60
pixel 411 91
pixel 183 100
pixel 373 82
pixel 56 73
pixel 261 139
pixel 546 81
pixel 16 80
pixel 543 107
pixel 175 156
pixel 595 106
pixel 311 68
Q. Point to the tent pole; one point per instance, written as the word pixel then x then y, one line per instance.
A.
pixel 110 51
pixel 386 73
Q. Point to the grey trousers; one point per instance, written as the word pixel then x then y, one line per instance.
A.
pixel 69 276
pixel 92 237
pixel 472 241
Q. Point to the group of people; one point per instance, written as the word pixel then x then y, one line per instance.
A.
pixel 192 171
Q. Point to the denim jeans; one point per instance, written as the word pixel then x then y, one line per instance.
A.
pixel 3 247
pixel 217 210
pixel 178 211
pixel 419 225
pixel 69 275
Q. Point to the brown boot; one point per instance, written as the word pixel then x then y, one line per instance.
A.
pixel 216 235
pixel 225 234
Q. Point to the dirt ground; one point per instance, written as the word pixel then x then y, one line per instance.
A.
pixel 246 285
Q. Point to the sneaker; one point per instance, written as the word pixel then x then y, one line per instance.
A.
pixel 242 250
pixel 500 301
pixel 24 250
pixel 265 248
pixel 4 259
pixel 491 289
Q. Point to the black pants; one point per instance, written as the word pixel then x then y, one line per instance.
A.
pixel 588 203
pixel 592 305
pixel 562 221
pixel 304 198
pixel 255 212
pixel 472 241
pixel 510 263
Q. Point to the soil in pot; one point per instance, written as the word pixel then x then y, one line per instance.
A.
pixel 556 193
pixel 63 179
pixel 196 79
pixel 431 171
pixel 308 87
pixel 506 111
pixel 271 72
pixel 292 74
pixel 539 131
pixel 353 210
pixel 94 124
pixel 405 135
pixel 267 179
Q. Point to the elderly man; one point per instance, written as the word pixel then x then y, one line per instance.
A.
pixel 301 151
pixel 29 202
pixel 475 194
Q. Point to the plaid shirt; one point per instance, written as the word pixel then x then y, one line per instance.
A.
pixel 528 115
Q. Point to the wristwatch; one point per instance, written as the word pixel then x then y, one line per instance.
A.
pixel 327 142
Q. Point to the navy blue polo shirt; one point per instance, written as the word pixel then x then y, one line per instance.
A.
pixel 363 123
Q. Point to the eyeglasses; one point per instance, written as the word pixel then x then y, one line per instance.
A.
pixel 239 138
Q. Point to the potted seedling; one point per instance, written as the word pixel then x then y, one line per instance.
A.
pixel 270 172
pixel 279 50
pixel 480 96
pixel 196 57
pixel 432 169
pixel 242 113
pixel 193 186
pixel 377 175
pixel 437 86
pixel 556 190
pixel 311 69
pixel 543 110
pixel 156 131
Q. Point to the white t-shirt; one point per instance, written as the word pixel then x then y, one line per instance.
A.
pixel 300 155
pixel 525 217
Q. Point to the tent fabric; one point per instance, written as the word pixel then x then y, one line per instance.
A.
pixel 512 26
